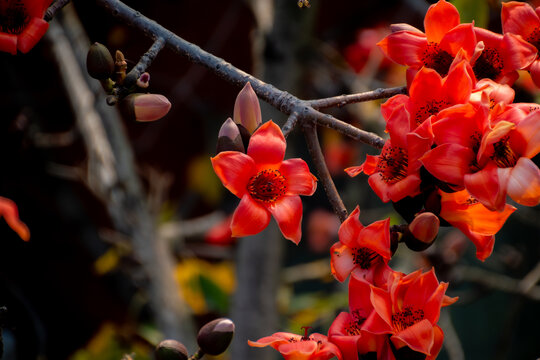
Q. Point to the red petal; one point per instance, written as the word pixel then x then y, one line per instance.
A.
pixel 341 261
pixel 234 169
pixel 529 134
pixel 524 183
pixel 534 70
pixel 440 18
pixel 350 228
pixel 421 290
pixel 288 214
pixel 249 218
pixel 267 144
pixel 376 236
pixel 437 342
pixel 8 43
pixel 460 38
pixel 404 47
pixel 31 34
pixel 410 186
pixel 299 180
pixel 518 53
pixel 419 337
pixel 458 84
pixel 487 187
pixel 354 170
pixel 382 306
pixel 9 211
pixel 519 18
pixel 392 104
pixel 449 162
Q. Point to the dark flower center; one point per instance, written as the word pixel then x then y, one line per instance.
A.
pixel 393 164
pixel 489 65
pixel 364 257
pixel 503 155
pixel 406 318
pixel 13 16
pixel 430 108
pixel 267 186
pixel 354 326
pixel 437 59
pixel 534 38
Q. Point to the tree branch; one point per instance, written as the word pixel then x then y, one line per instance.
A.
pixel 54 8
pixel 342 100
pixel 310 132
pixel 281 100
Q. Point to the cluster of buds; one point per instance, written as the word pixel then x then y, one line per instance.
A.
pixel 235 133
pixel 213 339
pixel 122 88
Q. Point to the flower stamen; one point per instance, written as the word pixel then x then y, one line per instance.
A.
pixel 489 65
pixel 267 186
pixel 13 17
pixel 393 164
pixel 364 257
pixel 503 155
pixel 406 318
pixel 437 59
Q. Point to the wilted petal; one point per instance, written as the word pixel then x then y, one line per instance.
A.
pixel 524 183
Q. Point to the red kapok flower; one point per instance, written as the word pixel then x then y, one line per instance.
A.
pixel 408 310
pixel 362 250
pixel 22 24
pixel 395 173
pixel 266 184
pixel 474 220
pixel 521 19
pixel 298 347
pixel 346 330
pixel 436 48
pixel 9 211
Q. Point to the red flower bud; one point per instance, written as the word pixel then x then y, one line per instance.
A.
pixel 425 227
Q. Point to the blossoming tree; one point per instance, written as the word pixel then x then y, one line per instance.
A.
pixel 459 152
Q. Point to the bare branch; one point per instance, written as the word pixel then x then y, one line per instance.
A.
pixel 342 100
pixel 54 8
pixel 144 62
pixel 290 124
pixel 312 140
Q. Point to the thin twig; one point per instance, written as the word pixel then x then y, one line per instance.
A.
pixel 342 100
pixel 310 132
pixel 144 62
pixel 281 100
pixel 290 124
pixel 54 8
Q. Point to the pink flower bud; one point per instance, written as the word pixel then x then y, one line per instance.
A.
pixel 403 27
pixel 144 80
pixel 147 107
pixel 425 227
pixel 247 110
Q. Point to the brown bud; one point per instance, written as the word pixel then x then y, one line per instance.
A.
pixel 99 62
pixel 215 336
pixel 171 350
pixel 229 138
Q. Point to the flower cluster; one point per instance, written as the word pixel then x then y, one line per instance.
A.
pixel 458 143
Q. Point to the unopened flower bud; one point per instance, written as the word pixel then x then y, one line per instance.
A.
pixel 146 107
pixel 120 66
pixel 144 80
pixel 422 231
pixel 403 27
pixel 99 62
pixel 215 336
pixel 229 138
pixel 247 110
pixel 171 350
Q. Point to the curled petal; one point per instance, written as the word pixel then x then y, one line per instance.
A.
pixel 299 180
pixel 32 33
pixel 449 162
pixel 376 236
pixel 350 228
pixel 519 18
pixel 488 187
pixel 440 18
pixel 288 214
pixel 341 261
pixel 419 337
pixel 524 183
pixel 249 218
pixel 9 211
pixel 267 144
pixel 404 47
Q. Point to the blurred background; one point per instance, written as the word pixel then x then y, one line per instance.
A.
pixel 129 224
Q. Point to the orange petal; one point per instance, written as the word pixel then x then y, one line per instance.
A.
pixel 488 187
pixel 341 261
pixel 404 47
pixel 440 18
pixel 9 211
pixel 249 218
pixel 267 144
pixel 288 214
pixel 419 337
pixel 448 162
